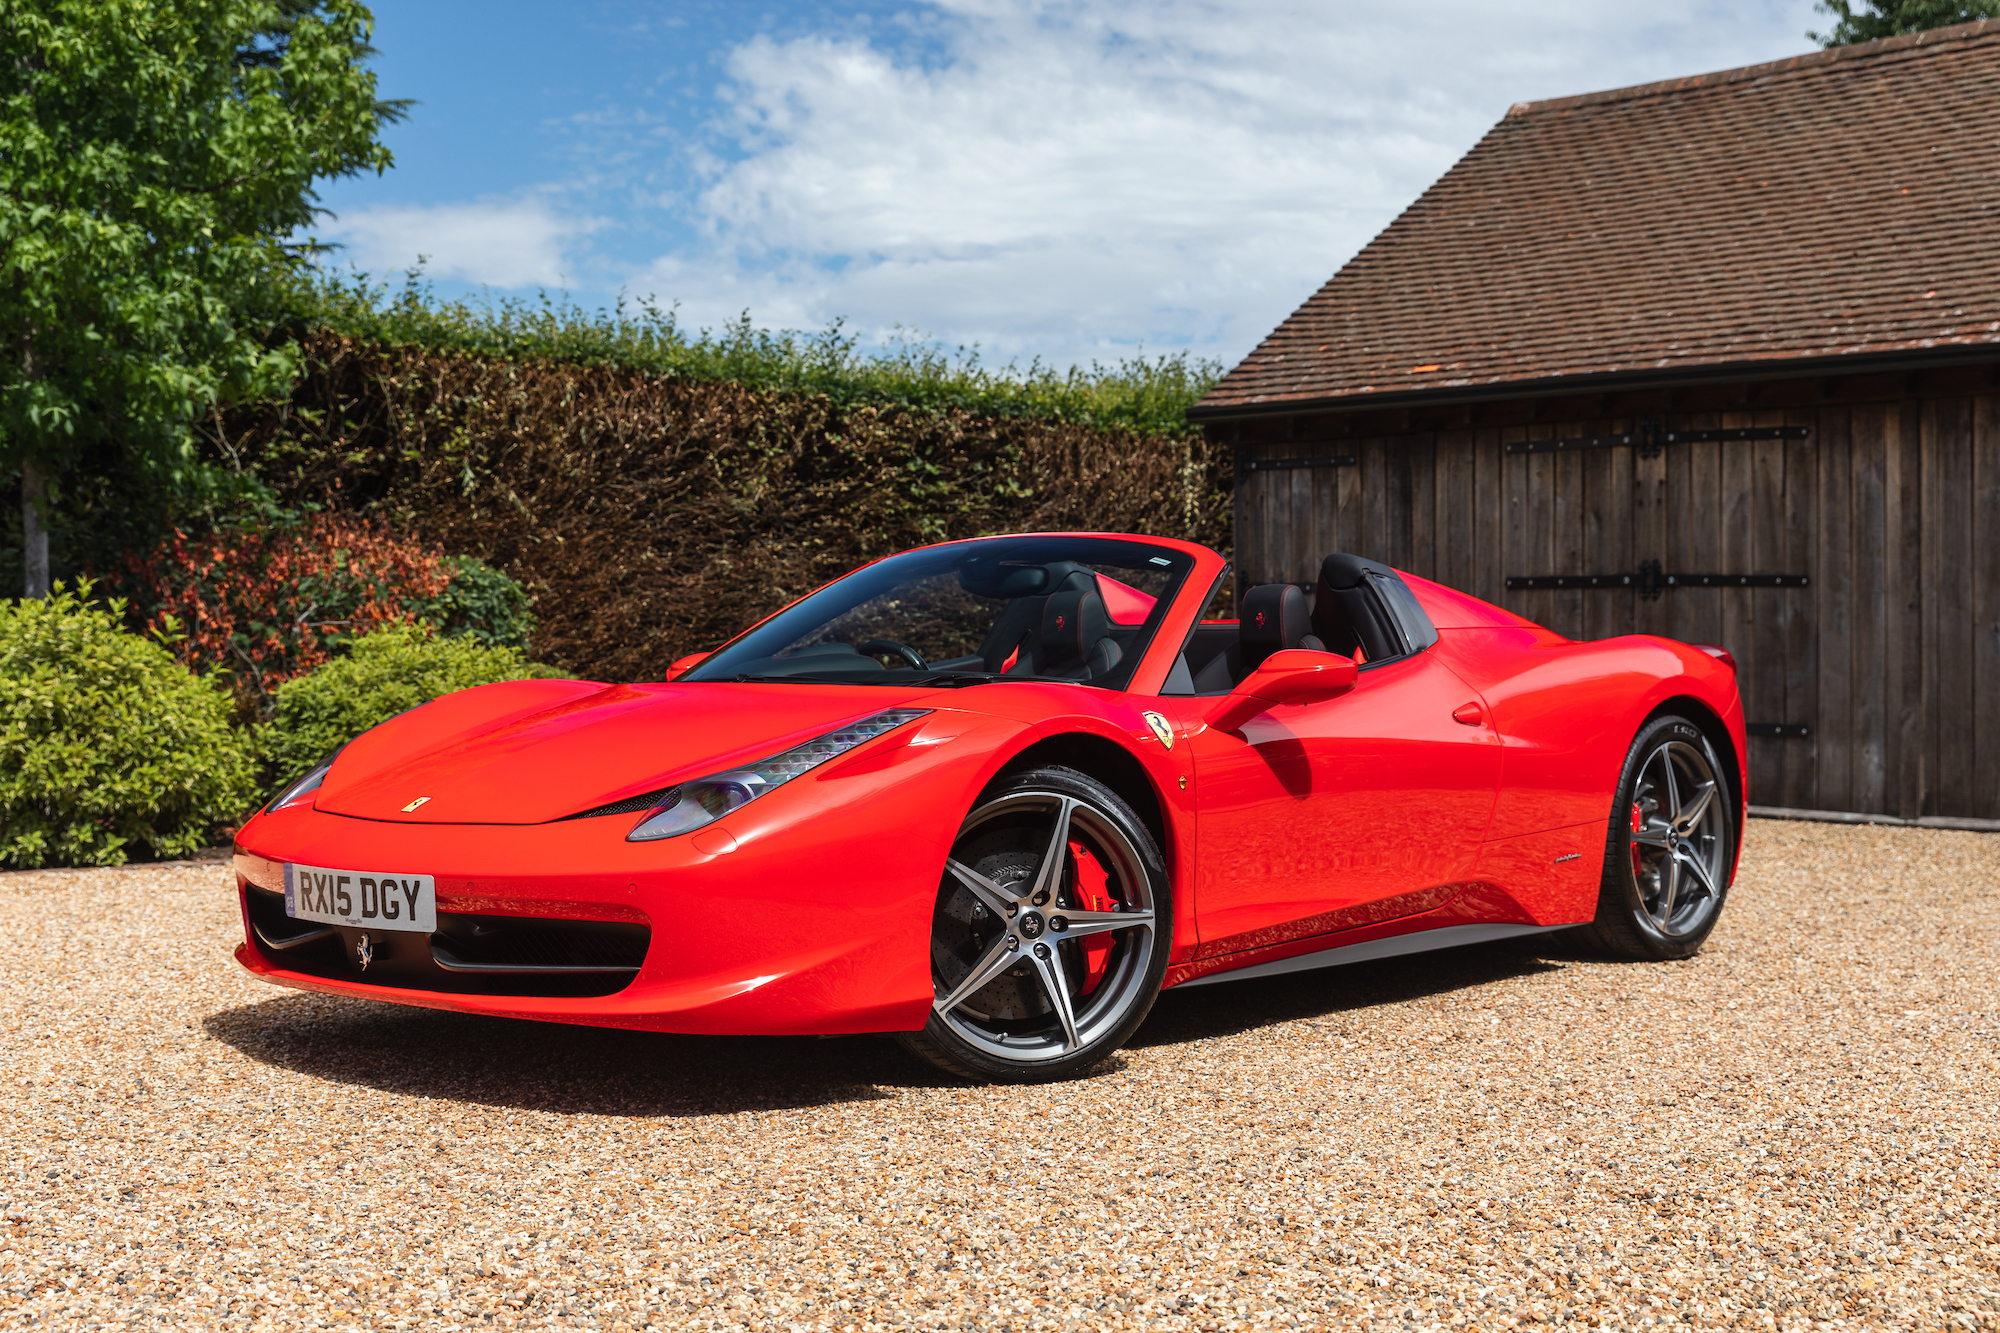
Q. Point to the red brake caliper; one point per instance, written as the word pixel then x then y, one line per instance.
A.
pixel 1638 826
pixel 1093 894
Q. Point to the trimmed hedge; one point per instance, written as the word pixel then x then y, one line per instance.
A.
pixel 106 742
pixel 652 516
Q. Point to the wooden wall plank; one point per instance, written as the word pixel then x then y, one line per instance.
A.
pixel 1982 801
pixel 1489 540
pixel 1458 508
pixel 1372 537
pixel 1699 610
pixel 1295 542
pixel 1516 481
pixel 1945 448
pixel 1833 617
pixel 1352 486
pixel 1395 517
pixel 1796 549
pixel 1873 428
pixel 1565 520
pixel 1651 539
pixel 1621 523
pixel 1421 558
pixel 1596 522
pixel 1754 486
pixel 1907 699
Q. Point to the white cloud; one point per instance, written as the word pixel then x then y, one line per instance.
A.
pixel 1075 177
pixel 499 243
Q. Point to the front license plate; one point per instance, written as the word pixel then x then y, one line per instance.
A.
pixel 349 898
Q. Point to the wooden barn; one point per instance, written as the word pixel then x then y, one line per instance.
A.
pixel 1717 358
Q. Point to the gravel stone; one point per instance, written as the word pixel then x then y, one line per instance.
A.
pixel 1795 1129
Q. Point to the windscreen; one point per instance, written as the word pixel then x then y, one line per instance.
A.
pixel 1079 609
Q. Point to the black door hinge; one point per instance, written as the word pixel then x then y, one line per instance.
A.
pixel 1651 437
pixel 1651 580
pixel 1245 466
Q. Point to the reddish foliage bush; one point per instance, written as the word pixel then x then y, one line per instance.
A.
pixel 268 604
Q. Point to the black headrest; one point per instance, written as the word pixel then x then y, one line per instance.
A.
pixel 991 576
pixel 1273 617
pixel 1072 623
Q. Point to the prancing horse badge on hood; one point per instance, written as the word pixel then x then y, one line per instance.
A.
pixel 1161 728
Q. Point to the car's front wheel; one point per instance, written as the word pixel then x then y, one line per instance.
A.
pixel 1670 848
pixel 1050 934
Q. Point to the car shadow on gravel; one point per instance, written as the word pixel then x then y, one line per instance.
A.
pixel 1241 1006
pixel 571 1070
pixel 557 1067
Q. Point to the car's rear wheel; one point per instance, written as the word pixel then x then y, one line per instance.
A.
pixel 1050 934
pixel 1670 848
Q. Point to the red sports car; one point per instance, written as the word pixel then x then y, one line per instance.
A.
pixel 994 795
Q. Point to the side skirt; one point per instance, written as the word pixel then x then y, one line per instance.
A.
pixel 1417 941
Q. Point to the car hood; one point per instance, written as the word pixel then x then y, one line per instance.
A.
pixel 527 752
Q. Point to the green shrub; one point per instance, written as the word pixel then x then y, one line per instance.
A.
pixel 384 673
pixel 106 742
pixel 480 602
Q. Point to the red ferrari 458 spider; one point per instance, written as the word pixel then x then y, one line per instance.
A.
pixel 994 795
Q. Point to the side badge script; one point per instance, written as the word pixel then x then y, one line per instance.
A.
pixel 1161 728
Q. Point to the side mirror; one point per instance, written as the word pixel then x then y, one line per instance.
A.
pixel 1293 676
pixel 688 663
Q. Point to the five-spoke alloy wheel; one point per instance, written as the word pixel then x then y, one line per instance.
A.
pixel 1051 931
pixel 1671 846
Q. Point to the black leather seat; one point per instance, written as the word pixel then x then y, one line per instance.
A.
pixel 1065 633
pixel 1075 640
pixel 1273 617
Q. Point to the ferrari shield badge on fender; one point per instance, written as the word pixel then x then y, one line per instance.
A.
pixel 1161 728
pixel 414 804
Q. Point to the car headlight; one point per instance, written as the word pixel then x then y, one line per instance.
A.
pixel 705 800
pixel 304 787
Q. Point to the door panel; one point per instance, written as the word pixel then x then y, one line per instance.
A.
pixel 1320 817
pixel 1564 710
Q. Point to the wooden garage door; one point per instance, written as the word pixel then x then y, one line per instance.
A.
pixel 1874 681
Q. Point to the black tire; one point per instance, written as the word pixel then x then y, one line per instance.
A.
pixel 1010 920
pixel 1669 851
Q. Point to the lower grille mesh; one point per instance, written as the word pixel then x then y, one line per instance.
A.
pixel 469 953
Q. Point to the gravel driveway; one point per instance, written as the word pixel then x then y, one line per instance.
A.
pixel 1797 1128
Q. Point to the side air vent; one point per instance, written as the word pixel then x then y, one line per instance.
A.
pixel 631 805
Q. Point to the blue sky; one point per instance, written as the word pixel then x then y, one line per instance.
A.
pixel 1069 181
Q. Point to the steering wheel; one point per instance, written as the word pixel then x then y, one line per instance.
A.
pixel 877 647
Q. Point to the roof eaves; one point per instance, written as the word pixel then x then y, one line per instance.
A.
pixel 1731 372
pixel 1958 32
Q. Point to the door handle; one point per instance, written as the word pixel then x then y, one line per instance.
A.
pixel 1470 715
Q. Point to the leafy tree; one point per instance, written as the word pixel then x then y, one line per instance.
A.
pixel 1870 19
pixel 155 155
